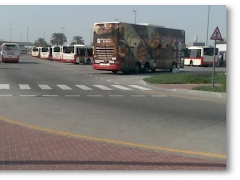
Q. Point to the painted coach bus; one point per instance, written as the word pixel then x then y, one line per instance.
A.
pixel 128 47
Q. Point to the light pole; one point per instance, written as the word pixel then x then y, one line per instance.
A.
pixel 91 37
pixel 208 25
pixel 10 34
pixel 21 36
pixel 62 29
pixel 135 16
pixel 27 39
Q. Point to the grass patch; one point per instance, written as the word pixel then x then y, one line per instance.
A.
pixel 191 78
pixel 210 88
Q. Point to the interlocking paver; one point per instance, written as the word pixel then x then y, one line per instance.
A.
pixel 22 148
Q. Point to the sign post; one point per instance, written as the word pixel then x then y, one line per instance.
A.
pixel 215 36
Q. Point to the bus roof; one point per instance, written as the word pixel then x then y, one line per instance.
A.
pixel 9 43
pixel 140 24
pixel 147 24
pixel 198 47
pixel 81 45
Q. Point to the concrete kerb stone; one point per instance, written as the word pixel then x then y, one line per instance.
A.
pixel 206 93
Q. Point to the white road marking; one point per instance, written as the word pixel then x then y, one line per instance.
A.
pixel 24 86
pixel 102 87
pixel 137 95
pixel 44 87
pixel 50 95
pixel 4 86
pixel 116 95
pixel 64 87
pixel 94 95
pixel 140 87
pixel 72 95
pixel 83 87
pixel 121 87
pixel 6 95
pixel 159 96
pixel 27 95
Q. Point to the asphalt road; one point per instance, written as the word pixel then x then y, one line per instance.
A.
pixel 80 100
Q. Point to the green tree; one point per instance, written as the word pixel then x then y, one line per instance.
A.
pixel 40 42
pixel 58 39
pixel 77 40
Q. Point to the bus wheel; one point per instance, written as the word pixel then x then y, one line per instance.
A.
pixel 137 68
pixel 146 68
pixel 191 63
pixel 88 61
pixel 126 72
pixel 114 72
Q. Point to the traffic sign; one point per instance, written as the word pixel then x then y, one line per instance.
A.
pixel 216 35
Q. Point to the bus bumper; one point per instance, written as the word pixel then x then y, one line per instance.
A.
pixel 107 67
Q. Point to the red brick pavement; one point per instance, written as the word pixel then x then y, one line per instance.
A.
pixel 22 148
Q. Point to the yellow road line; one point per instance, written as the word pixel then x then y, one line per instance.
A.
pixel 222 156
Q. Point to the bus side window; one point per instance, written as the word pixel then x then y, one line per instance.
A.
pixel 90 51
pixel 82 51
pixel 198 53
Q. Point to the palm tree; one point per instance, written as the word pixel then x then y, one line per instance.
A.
pixel 40 42
pixel 77 40
pixel 58 39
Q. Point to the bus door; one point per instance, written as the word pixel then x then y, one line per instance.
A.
pixel 89 56
pixel 50 53
pixel 81 53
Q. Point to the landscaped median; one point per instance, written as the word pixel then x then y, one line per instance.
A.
pixel 192 78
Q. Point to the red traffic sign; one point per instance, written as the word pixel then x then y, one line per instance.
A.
pixel 216 35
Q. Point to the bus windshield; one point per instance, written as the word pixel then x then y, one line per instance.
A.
pixel 56 49
pixel 210 51
pixel 35 49
pixel 44 49
pixel 8 47
pixel 194 53
pixel 68 50
pixel 105 30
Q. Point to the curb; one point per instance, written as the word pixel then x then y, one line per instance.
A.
pixel 206 93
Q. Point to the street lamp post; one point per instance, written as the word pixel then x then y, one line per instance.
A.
pixel 10 34
pixel 62 29
pixel 135 16
pixel 44 35
pixel 207 25
pixel 27 39
pixel 91 37
pixel 21 36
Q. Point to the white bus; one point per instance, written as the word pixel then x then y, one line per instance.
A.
pixel 56 54
pixel 10 52
pixel 77 54
pixel 45 52
pixel 201 56
pixel 35 52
